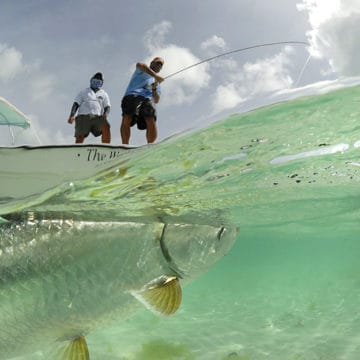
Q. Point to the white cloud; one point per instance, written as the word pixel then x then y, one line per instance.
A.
pixel 213 47
pixel 227 97
pixel 260 77
pixel 267 74
pixel 225 65
pixel 33 79
pixel 42 86
pixel 154 38
pixel 213 42
pixel 334 33
pixel 10 62
pixel 40 135
pixel 319 10
pixel 184 87
pixel 40 83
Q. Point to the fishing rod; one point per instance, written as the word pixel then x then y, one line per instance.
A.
pixel 235 51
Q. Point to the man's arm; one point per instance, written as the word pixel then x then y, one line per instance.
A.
pixel 106 105
pixel 106 112
pixel 155 94
pixel 73 111
pixel 143 67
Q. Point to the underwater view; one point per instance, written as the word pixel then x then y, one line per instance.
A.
pixel 256 217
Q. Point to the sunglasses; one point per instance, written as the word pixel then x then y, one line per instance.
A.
pixel 158 63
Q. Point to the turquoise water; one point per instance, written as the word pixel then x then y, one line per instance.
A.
pixel 275 296
pixel 288 176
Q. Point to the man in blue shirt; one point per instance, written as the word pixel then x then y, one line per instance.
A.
pixel 137 105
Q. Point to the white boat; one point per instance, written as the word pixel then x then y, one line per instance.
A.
pixel 28 170
pixel 32 170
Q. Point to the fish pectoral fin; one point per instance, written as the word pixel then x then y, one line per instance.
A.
pixel 161 295
pixel 76 350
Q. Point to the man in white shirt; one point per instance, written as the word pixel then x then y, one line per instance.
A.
pixel 92 106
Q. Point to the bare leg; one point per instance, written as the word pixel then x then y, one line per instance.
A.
pixel 125 129
pixel 105 134
pixel 79 139
pixel 151 130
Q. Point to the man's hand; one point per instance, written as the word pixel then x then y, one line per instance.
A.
pixel 143 67
pixel 71 119
pixel 159 79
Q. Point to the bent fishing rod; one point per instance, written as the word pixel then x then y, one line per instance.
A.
pixel 235 51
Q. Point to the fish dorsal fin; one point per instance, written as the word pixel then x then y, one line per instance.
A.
pixel 161 295
pixel 76 350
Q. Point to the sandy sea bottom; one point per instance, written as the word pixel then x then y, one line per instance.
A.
pixel 276 295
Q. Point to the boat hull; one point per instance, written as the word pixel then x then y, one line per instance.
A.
pixel 27 171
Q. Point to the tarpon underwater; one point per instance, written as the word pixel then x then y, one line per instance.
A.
pixel 61 280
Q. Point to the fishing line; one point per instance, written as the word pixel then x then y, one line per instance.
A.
pixel 235 51
pixel 302 71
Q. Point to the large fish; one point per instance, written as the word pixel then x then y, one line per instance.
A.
pixel 60 280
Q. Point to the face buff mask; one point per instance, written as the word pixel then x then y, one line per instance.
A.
pixel 96 84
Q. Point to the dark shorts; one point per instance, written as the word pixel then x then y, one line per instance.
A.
pixel 139 108
pixel 85 124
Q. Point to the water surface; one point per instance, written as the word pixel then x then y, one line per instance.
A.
pixel 288 176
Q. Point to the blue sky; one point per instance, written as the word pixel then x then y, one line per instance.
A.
pixel 49 50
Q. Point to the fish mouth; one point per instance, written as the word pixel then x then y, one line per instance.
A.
pixel 190 249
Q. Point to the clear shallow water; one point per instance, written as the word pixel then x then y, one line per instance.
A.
pixel 272 297
pixel 288 176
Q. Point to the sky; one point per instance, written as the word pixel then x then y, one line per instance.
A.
pixel 49 51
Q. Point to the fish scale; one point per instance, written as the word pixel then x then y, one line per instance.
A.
pixel 72 278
